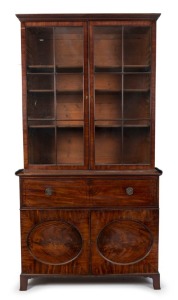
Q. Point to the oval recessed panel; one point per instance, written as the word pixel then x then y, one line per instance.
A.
pixel 54 242
pixel 125 242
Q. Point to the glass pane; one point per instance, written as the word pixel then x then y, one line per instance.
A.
pixel 108 145
pixel 69 55
pixel 107 47
pixel 69 48
pixel 108 94
pixel 69 106
pixel 136 118
pixel 69 83
pixel 40 96
pixel 70 147
pixel 41 144
pixel 108 136
pixel 40 105
pixel 40 83
pixel 137 82
pixel 137 49
pixel 108 82
pixel 40 53
pixel 136 145
pixel 136 96
pixel 108 106
pixel 137 105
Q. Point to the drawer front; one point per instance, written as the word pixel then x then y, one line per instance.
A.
pixel 54 193
pixel 124 192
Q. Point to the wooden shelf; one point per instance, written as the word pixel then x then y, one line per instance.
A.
pixel 45 69
pixel 137 68
pixel 107 126
pixel 57 92
pixel 68 70
pixel 40 69
pixel 124 69
pixel 136 126
pixel 136 90
pixel 40 66
pixel 109 92
pixel 137 123
pixel 41 123
pixel 57 123
pixel 41 126
pixel 41 119
pixel 119 125
pixel 108 69
pixel 40 91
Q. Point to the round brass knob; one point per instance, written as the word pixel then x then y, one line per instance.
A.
pixel 48 191
pixel 129 191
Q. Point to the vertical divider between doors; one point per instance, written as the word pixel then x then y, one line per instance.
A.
pixel 122 95
pixel 55 109
pixel 86 98
pixel 91 104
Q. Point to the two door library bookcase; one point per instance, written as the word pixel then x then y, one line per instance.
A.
pixel 89 190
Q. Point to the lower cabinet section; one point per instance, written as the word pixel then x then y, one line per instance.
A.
pixel 89 242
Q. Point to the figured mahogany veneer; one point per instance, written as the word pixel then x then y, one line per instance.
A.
pixel 124 242
pixel 54 242
pixel 54 193
pixel 88 193
pixel 115 192
pixel 89 190
pixel 127 241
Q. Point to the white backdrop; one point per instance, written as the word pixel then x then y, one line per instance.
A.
pixel 11 149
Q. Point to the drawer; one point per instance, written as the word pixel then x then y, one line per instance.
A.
pixel 54 193
pixel 124 192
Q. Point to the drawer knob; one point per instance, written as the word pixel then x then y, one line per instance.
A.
pixel 129 191
pixel 48 191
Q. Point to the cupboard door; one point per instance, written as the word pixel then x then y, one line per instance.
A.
pixel 121 73
pixel 124 241
pixel 55 242
pixel 57 95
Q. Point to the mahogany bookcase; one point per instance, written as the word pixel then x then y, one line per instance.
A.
pixel 89 190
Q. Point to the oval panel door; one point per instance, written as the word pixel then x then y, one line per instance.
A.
pixel 124 242
pixel 54 242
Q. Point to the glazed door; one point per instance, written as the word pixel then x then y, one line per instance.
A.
pixel 57 96
pixel 122 66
